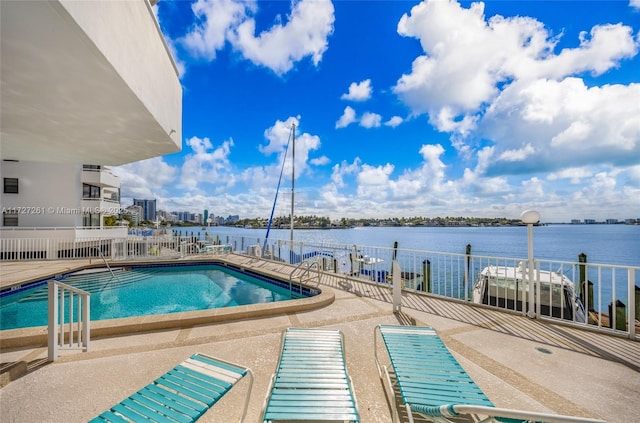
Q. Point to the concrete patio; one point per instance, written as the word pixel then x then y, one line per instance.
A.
pixel 518 362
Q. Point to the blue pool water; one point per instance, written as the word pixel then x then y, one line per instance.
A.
pixel 148 290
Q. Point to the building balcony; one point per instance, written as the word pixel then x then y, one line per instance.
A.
pixel 100 177
pixel 86 82
pixel 101 206
pixel 63 233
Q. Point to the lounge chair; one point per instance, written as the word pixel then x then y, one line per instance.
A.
pixel 434 385
pixel 183 394
pixel 311 381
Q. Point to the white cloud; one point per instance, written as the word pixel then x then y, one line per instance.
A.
pixel 523 97
pixel 540 136
pixel 499 50
pixel 347 118
pixel 367 120
pixel 574 174
pixel 277 48
pixel 206 164
pixel 320 161
pixel 517 155
pixel 373 181
pixel 533 188
pixel 370 120
pixel 343 169
pixel 632 176
pixel 358 91
pixel 419 184
pixel 279 136
pixel 564 119
pixel 305 34
pixel 145 179
pixel 602 50
pixel 634 4
pixel 215 21
pixel 394 121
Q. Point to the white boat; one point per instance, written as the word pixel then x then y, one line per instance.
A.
pixel 505 287
pixel 369 261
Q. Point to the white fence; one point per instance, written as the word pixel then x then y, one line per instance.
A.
pixel 112 248
pixel 598 296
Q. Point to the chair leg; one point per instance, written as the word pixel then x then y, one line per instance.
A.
pixel 392 397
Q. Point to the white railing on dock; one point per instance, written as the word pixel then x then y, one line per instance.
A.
pixel 609 293
pixel 69 319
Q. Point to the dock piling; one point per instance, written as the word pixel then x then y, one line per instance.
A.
pixel 586 286
pixel 426 278
pixel 618 314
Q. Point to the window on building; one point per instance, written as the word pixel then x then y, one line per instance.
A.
pixel 10 185
pixel 111 195
pixel 90 191
pixel 10 219
pixel 91 220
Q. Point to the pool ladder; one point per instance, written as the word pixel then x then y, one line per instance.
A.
pixel 104 259
pixel 304 274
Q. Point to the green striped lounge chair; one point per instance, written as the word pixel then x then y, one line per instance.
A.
pixel 183 394
pixel 311 381
pixel 432 384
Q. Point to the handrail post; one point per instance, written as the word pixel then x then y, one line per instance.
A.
pixel 397 286
pixel 538 300
pixel 467 259
pixel 86 323
pixel 53 321
pixel 631 286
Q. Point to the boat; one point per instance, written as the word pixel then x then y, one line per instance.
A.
pixel 505 287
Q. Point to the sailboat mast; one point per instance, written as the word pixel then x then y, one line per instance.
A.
pixel 293 176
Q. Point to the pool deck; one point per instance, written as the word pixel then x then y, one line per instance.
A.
pixel 518 362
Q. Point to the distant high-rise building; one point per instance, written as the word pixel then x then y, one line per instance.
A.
pixel 148 208
pixel 206 216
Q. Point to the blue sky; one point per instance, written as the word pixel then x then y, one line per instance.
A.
pixel 402 108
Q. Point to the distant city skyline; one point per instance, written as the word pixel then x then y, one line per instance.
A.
pixel 202 218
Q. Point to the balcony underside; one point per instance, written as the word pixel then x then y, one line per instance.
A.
pixel 71 95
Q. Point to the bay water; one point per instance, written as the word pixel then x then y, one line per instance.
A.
pixel 617 244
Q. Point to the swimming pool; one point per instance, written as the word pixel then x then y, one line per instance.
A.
pixel 144 290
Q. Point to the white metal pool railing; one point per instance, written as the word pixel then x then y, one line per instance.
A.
pixel 610 294
pixel 611 290
pixel 69 325
pixel 303 272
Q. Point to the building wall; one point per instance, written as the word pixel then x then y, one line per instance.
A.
pixel 152 75
pixel 49 194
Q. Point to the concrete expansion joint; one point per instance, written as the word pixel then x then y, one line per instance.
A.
pixel 551 400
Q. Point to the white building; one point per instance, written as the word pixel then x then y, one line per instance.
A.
pixel 84 86
pixel 71 200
